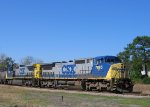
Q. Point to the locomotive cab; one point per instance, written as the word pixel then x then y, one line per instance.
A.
pixel 102 65
pixel 110 69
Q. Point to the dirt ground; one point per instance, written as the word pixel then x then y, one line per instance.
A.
pixel 142 88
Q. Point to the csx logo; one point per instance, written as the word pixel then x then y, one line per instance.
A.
pixel 70 69
pixel 99 67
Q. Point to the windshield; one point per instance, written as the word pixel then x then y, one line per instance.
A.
pixel 112 60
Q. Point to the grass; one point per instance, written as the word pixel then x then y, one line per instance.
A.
pixel 21 97
pixel 141 102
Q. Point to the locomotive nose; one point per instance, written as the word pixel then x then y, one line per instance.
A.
pixel 118 71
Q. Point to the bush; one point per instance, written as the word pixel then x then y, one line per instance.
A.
pixel 137 80
pixel 146 80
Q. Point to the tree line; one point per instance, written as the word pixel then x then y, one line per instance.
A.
pixel 6 60
pixel 135 56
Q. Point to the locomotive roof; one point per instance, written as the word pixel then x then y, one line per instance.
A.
pixel 83 58
pixel 98 57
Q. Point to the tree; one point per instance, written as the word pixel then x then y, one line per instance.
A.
pixel 5 61
pixel 30 60
pixel 27 60
pixel 38 61
pixel 136 56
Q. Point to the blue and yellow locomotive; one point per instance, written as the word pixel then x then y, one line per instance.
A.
pixel 99 73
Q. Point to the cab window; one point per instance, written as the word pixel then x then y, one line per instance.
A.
pixel 99 61
pixel 112 60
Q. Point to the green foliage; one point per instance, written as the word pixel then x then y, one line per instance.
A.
pixel 136 68
pixel 137 80
pixel 135 55
pixel 146 80
pixel 5 61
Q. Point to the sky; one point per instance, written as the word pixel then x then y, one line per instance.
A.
pixel 57 30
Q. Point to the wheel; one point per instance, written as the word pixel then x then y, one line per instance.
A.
pixel 83 85
pixel 33 83
pixel 55 84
